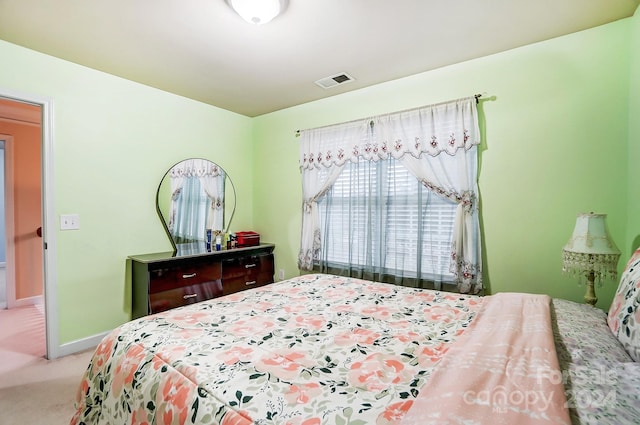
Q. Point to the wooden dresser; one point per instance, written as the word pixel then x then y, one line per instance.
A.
pixel 166 280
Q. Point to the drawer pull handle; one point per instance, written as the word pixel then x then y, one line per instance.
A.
pixel 253 282
pixel 248 266
pixel 186 297
pixel 188 276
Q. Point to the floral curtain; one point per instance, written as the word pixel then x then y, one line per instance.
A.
pixel 213 183
pixel 437 143
pixel 318 178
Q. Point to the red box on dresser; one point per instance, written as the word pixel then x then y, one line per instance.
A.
pixel 247 239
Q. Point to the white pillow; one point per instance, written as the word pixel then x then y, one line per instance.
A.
pixel 624 315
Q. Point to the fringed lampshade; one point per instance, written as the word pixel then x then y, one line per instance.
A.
pixel 591 253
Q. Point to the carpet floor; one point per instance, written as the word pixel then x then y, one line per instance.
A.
pixel 34 390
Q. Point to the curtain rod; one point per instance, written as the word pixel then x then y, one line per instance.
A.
pixel 477 96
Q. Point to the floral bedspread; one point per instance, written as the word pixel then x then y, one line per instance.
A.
pixel 602 382
pixel 317 349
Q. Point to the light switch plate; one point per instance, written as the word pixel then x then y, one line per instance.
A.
pixel 69 221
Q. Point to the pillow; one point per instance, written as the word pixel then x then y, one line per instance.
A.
pixel 582 335
pixel 624 315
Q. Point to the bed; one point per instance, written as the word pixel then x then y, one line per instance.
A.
pixel 322 349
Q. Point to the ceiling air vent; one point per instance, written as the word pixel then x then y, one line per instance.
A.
pixel 335 80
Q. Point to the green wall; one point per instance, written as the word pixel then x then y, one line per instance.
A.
pixel 633 222
pixel 555 127
pixel 113 141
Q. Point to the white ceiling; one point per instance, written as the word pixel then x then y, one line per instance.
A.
pixel 202 50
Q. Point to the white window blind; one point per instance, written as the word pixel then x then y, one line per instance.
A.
pixel 378 215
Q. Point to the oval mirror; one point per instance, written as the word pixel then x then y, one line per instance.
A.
pixel 195 195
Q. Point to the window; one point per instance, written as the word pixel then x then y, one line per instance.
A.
pixel 365 216
pixel 378 218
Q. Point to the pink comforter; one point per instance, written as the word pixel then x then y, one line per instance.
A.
pixel 503 370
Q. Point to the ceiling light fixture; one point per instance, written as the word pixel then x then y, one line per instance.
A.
pixel 258 12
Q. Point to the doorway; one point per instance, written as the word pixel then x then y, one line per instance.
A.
pixel 29 244
pixel 20 246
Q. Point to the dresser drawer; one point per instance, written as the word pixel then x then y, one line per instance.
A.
pixel 246 272
pixel 229 286
pixel 164 279
pixel 165 300
pixel 247 266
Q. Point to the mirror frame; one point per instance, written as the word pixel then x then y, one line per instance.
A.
pixel 161 216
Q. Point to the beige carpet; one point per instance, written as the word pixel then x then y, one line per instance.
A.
pixel 33 390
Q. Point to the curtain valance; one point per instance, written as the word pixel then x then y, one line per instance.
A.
pixel 429 130
pixel 195 167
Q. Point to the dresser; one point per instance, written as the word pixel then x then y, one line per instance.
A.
pixel 167 280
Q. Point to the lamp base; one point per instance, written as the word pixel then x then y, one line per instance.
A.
pixel 590 295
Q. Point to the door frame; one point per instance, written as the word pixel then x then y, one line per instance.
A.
pixel 9 218
pixel 49 266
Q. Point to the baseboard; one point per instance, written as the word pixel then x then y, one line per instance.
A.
pixel 81 344
pixel 23 302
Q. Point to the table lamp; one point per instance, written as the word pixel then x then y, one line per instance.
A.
pixel 591 252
